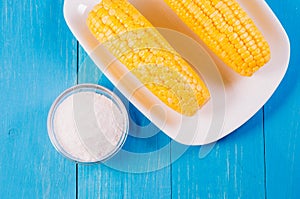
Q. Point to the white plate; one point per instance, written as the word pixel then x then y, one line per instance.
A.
pixel 232 103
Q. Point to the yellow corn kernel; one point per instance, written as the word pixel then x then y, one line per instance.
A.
pixel 227 30
pixel 139 46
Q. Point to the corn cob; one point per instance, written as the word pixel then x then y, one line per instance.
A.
pixel 227 30
pixel 139 46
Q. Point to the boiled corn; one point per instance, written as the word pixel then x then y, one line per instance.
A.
pixel 139 46
pixel 227 30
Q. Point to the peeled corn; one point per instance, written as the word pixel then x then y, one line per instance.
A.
pixel 139 46
pixel 227 30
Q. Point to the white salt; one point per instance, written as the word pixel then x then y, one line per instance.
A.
pixel 88 126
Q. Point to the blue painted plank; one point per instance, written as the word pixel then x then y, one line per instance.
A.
pixel 37 62
pixel 127 176
pixel 282 115
pixel 233 169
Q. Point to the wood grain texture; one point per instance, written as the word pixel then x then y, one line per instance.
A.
pixel 233 169
pixel 282 115
pixel 37 62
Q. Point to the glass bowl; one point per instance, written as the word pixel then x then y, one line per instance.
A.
pixel 88 123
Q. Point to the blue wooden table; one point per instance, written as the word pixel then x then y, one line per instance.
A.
pixel 39 58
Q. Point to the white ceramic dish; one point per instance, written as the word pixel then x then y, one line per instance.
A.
pixel 232 104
